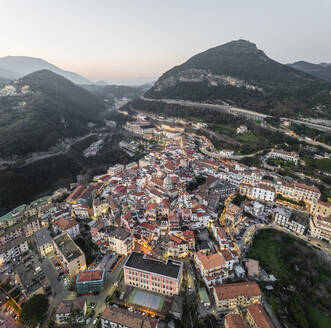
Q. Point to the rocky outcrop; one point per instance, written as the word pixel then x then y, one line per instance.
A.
pixel 194 75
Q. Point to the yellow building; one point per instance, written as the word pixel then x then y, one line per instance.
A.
pixel 228 296
pixel 70 256
pixel 257 317
pixel 321 208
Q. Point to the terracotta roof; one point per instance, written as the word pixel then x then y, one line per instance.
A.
pixel 227 255
pixel 148 226
pixel 234 320
pixel 176 239
pixel 90 275
pixel 230 291
pixel 232 209
pixel 151 206
pixel 76 193
pixel 305 187
pixel 65 224
pixel 188 234
pixel 259 316
pixel 326 204
pixel 211 261
pixel 98 185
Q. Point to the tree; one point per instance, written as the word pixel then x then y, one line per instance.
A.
pixel 34 310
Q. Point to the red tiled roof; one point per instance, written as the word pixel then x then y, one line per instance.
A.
pixel 188 234
pixel 211 261
pixel 230 291
pixel 90 275
pixel 65 224
pixel 305 187
pixel 259 316
pixel 176 239
pixel 148 226
pixel 234 320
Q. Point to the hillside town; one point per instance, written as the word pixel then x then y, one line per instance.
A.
pixel 141 243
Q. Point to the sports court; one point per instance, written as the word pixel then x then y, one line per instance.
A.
pixel 146 299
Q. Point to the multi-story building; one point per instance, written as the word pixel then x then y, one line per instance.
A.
pixel 81 210
pixel 292 220
pixel 188 236
pixel 320 227
pixel 285 155
pixel 229 296
pixel 220 235
pixel 173 222
pixel 299 191
pixel 22 228
pixel 226 189
pixel 233 213
pixel 12 217
pixel 321 208
pixel 81 195
pixel 257 317
pixel 156 276
pixel 69 225
pixel 119 240
pixel 234 320
pixel 177 247
pixel 263 192
pixel 13 249
pixel 100 207
pixel 44 241
pixel 212 267
pixel 71 308
pixel 90 281
pixel 114 317
pixel 115 170
pixel 69 254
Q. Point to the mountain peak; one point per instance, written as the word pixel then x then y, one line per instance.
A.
pixel 23 65
pixel 240 44
pixel 237 72
pixel 321 71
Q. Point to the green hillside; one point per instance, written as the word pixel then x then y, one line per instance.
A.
pixel 42 108
pixel 241 74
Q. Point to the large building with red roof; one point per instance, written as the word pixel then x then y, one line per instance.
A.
pixel 90 281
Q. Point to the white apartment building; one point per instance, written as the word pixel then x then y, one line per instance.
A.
pixel 292 220
pixel 263 192
pixel 13 249
pixel 299 191
pixel 119 240
pixel 320 227
pixel 286 156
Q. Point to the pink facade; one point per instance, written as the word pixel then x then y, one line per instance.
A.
pixel 151 282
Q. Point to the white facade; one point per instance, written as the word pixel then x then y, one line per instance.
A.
pixel 10 252
pixel 263 192
pixel 320 227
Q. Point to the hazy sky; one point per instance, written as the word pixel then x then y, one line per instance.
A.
pixel 125 39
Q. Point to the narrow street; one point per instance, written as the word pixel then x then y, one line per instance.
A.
pixel 112 278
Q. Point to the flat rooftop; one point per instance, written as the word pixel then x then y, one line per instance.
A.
pixel 139 261
pixel 42 237
pixel 90 275
pixel 67 247
pixel 118 232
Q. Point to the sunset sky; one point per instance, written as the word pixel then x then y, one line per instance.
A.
pixel 120 41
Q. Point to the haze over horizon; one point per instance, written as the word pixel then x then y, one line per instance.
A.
pixel 123 42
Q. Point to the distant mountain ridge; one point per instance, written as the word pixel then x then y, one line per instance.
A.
pixel 321 71
pixel 42 108
pixel 239 73
pixel 14 67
